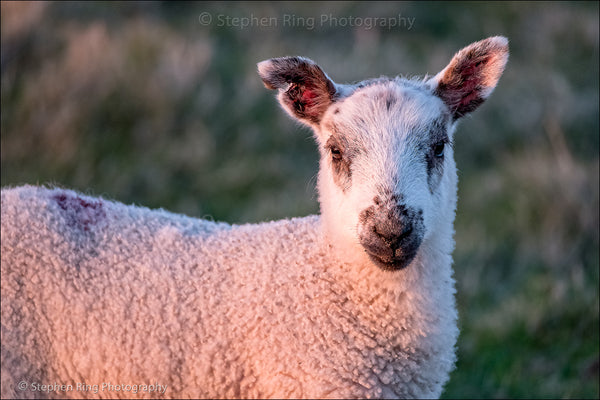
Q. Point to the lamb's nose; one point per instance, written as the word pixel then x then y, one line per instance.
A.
pixel 391 233
pixel 394 229
pixel 394 238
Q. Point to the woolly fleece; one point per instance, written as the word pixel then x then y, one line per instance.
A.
pixel 96 291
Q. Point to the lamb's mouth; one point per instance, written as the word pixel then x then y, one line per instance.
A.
pixel 394 263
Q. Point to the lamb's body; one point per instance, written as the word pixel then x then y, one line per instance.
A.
pixel 283 319
pixel 356 302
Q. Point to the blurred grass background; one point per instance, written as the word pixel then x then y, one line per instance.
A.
pixel 147 103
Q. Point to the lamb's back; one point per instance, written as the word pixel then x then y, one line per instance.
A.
pixel 158 297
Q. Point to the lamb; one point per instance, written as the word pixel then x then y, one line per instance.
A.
pixel 102 299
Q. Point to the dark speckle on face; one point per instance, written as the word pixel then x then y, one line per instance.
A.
pixel 390 101
pixel 435 162
pixel 341 161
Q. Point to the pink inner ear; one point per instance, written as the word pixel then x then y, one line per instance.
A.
pixel 307 96
pixel 465 93
pixel 472 75
pixel 308 99
pixel 470 87
pixel 470 97
pixel 473 70
pixel 469 70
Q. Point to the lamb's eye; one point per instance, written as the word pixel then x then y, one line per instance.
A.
pixel 336 154
pixel 438 149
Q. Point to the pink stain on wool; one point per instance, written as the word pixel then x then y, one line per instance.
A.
pixel 81 213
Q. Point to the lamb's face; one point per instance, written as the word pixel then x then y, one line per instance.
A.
pixel 387 180
pixel 386 177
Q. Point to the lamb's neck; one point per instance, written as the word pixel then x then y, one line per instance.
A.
pixel 429 271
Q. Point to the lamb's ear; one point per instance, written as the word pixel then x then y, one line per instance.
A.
pixel 305 91
pixel 472 75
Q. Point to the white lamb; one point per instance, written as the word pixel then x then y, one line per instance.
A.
pixel 101 299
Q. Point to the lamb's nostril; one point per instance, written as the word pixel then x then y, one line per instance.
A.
pixel 393 239
pixel 406 231
pixel 386 234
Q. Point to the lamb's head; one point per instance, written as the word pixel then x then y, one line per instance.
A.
pixel 387 180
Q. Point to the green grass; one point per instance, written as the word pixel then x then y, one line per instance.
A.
pixel 143 104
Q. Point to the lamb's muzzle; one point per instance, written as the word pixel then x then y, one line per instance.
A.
pixel 391 233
